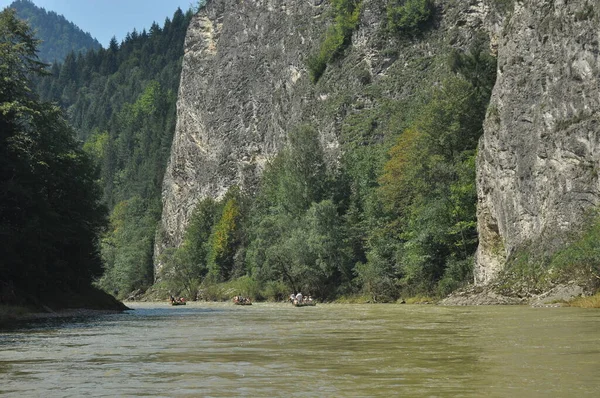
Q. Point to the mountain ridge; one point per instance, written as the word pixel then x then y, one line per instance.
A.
pixel 59 35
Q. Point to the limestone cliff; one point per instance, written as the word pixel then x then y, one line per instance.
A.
pixel 244 85
pixel 538 158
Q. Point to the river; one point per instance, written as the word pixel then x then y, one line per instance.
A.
pixel 331 350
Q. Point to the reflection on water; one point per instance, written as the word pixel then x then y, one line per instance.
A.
pixel 274 350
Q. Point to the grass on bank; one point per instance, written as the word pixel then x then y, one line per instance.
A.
pixel 420 300
pixel 354 299
pixel 586 302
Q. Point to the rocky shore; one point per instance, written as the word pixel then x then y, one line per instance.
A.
pixel 489 295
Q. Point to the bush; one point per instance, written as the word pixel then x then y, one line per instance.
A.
pixel 586 302
pixel 580 258
pixel 535 267
pixel 525 273
pixel 316 66
pixel 215 291
pixel 245 286
pixel 456 275
pixel 408 16
pixel 337 37
pixel 377 279
pixel 276 291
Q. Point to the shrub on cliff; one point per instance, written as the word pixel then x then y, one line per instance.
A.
pixel 408 16
pixel 336 38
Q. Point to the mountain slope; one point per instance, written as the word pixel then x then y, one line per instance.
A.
pixel 59 36
pixel 121 103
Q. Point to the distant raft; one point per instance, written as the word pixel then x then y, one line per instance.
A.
pixel 177 301
pixel 239 300
pixel 305 304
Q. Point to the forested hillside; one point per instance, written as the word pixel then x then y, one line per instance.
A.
pixel 58 37
pixel 51 213
pixel 121 103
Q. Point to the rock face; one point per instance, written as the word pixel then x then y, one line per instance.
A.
pixel 245 85
pixel 538 162
pixel 242 86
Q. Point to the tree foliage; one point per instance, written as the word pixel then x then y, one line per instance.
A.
pixel 387 220
pixel 127 247
pixel 121 101
pixel 428 184
pixel 408 16
pixel 393 215
pixel 50 210
pixel 187 266
pixel 296 234
pixel 224 242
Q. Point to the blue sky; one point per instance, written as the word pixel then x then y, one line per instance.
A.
pixel 104 19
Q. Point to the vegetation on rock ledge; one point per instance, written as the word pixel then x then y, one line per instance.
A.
pixel 577 260
pixel 337 37
pixel 408 16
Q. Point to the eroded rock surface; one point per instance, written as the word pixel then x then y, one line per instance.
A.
pixel 537 170
pixel 245 86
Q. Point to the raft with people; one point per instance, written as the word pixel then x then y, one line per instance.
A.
pixel 239 300
pixel 177 301
pixel 298 300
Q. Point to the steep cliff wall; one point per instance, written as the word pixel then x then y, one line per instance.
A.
pixel 244 85
pixel 539 156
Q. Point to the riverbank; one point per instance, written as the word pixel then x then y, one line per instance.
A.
pixel 87 302
pixel 586 302
pixel 567 295
pixel 11 314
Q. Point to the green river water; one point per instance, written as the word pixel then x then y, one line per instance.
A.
pixel 331 350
